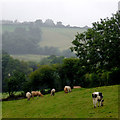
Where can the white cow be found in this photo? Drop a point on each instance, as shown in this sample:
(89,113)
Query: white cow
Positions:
(28,95)
(52,92)
(97,97)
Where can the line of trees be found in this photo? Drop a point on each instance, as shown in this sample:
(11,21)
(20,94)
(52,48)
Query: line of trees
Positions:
(40,23)
(69,72)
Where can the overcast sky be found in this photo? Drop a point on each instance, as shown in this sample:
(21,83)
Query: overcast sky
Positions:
(73,12)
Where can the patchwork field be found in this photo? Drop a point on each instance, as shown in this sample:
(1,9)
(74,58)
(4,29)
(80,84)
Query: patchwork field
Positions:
(77,104)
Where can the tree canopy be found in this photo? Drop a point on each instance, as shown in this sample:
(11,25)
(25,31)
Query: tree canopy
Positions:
(99,46)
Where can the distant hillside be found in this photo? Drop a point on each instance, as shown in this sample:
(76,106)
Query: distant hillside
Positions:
(42,40)
(58,37)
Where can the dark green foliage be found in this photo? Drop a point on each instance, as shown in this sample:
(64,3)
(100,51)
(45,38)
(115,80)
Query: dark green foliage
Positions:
(100,46)
(103,78)
(91,80)
(27,86)
(43,77)
(114,77)
(99,52)
(70,70)
(10,65)
(15,82)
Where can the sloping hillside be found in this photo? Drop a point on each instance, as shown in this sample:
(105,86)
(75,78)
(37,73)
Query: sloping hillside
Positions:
(77,104)
(58,37)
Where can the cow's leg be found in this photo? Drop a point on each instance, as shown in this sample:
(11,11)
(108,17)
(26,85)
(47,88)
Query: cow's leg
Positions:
(38,96)
(101,103)
(95,102)
(29,98)
(32,96)
(68,90)
(98,103)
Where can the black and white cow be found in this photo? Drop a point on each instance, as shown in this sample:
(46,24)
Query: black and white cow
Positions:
(97,97)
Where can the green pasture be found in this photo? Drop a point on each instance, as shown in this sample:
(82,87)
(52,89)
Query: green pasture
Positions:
(58,37)
(77,104)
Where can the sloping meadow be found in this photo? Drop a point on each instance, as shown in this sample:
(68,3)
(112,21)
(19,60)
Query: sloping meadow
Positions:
(77,104)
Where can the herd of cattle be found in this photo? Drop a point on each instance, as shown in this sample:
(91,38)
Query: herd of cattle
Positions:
(97,96)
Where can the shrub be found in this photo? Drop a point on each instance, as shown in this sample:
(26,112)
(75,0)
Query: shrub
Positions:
(105,76)
(114,77)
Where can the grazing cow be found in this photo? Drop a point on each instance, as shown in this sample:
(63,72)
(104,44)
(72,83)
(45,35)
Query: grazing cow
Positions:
(28,95)
(52,92)
(97,97)
(76,86)
(36,93)
(67,89)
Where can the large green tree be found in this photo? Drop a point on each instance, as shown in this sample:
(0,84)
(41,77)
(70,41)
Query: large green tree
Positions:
(99,47)
(43,77)
(70,70)
(15,82)
(9,65)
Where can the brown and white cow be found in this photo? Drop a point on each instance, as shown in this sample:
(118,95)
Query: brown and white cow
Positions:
(67,89)
(36,93)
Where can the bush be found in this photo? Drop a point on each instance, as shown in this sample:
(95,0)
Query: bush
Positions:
(105,76)
(92,80)
(114,77)
(102,78)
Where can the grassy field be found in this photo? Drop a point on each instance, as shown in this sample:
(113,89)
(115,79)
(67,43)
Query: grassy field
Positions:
(58,37)
(77,104)
(29,57)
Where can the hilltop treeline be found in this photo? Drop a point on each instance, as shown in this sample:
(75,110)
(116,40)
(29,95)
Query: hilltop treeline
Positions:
(40,23)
